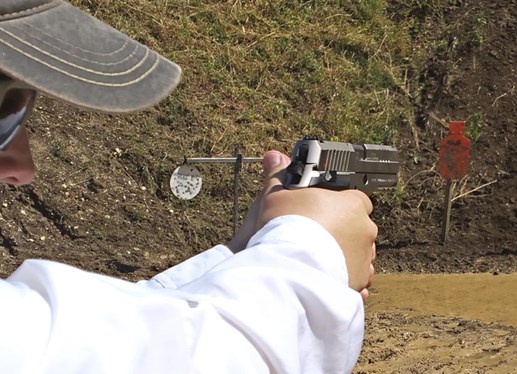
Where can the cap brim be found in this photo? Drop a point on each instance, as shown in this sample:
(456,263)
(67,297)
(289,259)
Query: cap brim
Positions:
(64,52)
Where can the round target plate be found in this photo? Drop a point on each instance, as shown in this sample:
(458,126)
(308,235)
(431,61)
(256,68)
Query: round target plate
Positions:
(185,182)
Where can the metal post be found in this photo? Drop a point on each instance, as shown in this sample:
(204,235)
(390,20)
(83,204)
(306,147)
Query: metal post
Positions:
(236,171)
(227,160)
(238,160)
(447,210)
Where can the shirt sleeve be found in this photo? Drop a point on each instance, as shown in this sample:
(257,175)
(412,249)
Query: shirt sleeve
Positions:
(288,295)
(190,269)
(58,319)
(282,305)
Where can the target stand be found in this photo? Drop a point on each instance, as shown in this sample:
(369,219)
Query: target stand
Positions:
(186,180)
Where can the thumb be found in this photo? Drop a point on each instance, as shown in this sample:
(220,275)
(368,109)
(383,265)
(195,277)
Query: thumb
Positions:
(274,164)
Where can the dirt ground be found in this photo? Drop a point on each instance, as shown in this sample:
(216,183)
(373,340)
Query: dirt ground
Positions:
(458,84)
(100,203)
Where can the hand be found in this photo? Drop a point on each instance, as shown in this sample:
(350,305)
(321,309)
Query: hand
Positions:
(345,214)
(272,163)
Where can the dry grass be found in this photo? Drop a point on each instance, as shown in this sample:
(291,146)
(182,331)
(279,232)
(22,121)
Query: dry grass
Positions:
(259,75)
(264,73)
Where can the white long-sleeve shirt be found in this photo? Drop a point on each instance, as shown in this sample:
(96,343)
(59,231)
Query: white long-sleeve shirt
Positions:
(280,306)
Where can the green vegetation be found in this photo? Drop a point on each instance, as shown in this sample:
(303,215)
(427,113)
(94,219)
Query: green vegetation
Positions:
(475,126)
(276,70)
(57,149)
(262,74)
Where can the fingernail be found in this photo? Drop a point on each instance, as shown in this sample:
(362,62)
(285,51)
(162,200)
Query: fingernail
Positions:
(272,159)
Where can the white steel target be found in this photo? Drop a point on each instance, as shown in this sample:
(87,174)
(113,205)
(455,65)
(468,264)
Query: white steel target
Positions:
(186,182)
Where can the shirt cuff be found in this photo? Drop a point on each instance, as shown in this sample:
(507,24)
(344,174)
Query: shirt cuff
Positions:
(308,241)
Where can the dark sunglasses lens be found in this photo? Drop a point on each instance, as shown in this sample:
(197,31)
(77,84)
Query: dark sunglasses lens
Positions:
(15,107)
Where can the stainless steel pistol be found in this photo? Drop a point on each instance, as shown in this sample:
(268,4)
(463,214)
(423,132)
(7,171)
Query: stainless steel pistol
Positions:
(341,166)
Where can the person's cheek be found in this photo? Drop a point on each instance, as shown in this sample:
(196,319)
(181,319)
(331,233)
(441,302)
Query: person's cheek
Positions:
(16,163)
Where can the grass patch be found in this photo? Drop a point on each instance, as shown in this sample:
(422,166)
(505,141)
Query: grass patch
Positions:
(265,73)
(262,74)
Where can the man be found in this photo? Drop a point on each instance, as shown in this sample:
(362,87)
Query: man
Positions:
(283,296)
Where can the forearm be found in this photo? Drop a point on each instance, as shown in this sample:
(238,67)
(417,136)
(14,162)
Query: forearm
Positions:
(287,293)
(56,318)
(281,305)
(190,269)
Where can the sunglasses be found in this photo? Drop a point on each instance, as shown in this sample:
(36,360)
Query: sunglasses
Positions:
(16,102)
